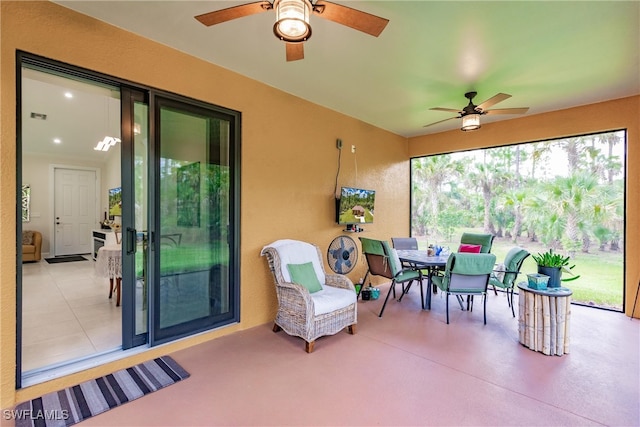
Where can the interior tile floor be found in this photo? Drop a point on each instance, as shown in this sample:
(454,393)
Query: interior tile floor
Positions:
(66,313)
(407,368)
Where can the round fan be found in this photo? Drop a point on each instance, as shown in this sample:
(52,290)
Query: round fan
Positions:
(342,255)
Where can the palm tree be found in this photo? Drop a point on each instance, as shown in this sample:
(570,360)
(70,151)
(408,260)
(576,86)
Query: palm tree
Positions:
(429,175)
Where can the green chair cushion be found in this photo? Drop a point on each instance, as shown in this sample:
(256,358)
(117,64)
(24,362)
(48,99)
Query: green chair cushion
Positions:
(371,246)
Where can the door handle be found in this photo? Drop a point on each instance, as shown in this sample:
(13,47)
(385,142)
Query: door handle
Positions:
(131,245)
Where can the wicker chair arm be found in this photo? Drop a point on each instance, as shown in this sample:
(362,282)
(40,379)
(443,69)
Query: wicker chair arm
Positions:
(294,295)
(339,281)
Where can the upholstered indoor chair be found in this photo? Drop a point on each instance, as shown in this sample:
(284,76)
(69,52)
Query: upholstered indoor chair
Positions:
(311,303)
(504,276)
(466,275)
(31,245)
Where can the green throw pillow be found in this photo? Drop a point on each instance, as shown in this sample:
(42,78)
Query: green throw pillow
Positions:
(305,275)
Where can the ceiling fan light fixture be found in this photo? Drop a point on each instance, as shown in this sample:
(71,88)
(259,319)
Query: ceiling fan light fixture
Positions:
(292,20)
(470,122)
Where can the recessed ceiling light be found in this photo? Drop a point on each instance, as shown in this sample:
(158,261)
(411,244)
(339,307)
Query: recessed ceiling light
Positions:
(57,140)
(68,95)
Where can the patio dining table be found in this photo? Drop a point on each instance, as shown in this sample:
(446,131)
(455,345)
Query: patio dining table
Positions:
(420,260)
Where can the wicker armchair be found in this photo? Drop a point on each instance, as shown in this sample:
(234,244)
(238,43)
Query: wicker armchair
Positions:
(309,315)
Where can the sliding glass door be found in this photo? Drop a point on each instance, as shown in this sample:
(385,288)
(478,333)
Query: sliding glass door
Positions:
(174,164)
(193,247)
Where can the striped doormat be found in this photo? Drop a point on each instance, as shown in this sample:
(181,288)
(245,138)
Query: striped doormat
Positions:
(74,404)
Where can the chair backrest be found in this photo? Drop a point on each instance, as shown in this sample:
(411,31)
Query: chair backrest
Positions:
(512,263)
(468,273)
(377,253)
(284,252)
(405,243)
(486,240)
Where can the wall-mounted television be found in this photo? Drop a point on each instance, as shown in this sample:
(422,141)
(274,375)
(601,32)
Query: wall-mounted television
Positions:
(355,206)
(115,202)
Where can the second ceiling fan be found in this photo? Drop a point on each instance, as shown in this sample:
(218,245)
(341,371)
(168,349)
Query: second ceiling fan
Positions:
(292,20)
(470,114)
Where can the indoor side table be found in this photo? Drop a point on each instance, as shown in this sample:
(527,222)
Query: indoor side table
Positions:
(544,319)
(109,264)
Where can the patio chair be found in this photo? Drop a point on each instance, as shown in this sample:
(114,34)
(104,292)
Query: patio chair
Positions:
(505,275)
(383,261)
(466,274)
(311,303)
(408,243)
(411,243)
(484,240)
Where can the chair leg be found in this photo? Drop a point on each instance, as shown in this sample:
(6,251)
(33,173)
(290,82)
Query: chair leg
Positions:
(392,287)
(276,328)
(118,290)
(404,290)
(495,291)
(447,305)
(485,308)
(421,294)
(510,299)
(110,287)
(351,329)
(308,346)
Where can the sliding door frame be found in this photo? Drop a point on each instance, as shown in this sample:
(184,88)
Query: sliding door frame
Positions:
(130,93)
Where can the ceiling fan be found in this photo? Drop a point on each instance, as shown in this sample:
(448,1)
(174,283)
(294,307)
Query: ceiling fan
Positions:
(292,20)
(470,114)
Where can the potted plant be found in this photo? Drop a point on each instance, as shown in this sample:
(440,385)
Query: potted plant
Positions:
(552,265)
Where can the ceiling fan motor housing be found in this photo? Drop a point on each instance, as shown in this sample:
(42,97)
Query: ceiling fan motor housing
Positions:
(292,20)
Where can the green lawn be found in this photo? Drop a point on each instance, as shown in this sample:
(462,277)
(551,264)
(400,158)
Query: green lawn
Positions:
(601,273)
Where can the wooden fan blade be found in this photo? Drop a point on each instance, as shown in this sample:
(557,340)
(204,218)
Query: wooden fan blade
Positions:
(224,15)
(449,110)
(295,51)
(493,101)
(352,18)
(435,123)
(507,111)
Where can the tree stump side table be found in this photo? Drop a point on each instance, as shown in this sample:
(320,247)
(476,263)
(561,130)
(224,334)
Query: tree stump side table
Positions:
(544,319)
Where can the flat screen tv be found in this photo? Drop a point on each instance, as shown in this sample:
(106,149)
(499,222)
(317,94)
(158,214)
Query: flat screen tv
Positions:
(355,206)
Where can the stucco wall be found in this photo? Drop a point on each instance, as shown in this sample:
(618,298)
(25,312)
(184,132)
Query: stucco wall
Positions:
(288,167)
(612,115)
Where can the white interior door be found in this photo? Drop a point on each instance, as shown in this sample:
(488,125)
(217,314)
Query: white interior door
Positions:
(74,210)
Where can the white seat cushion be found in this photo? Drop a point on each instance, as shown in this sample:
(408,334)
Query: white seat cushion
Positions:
(331,298)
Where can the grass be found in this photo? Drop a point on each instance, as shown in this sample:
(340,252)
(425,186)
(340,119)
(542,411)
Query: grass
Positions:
(601,281)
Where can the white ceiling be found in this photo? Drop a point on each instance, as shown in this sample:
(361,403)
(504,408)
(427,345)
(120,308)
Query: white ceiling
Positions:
(548,55)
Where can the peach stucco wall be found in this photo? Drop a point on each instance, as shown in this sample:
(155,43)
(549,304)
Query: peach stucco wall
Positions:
(611,115)
(288,167)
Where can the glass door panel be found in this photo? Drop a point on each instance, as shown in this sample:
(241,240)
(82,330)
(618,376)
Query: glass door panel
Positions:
(135,197)
(193,220)
(140,188)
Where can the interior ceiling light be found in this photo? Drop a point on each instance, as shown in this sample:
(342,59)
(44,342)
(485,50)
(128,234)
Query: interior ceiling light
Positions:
(470,122)
(57,141)
(106,143)
(68,95)
(470,114)
(292,20)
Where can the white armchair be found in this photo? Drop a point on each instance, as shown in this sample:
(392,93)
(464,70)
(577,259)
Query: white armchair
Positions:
(311,303)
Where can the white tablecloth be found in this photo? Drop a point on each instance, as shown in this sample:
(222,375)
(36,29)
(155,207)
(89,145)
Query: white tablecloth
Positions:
(109,261)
